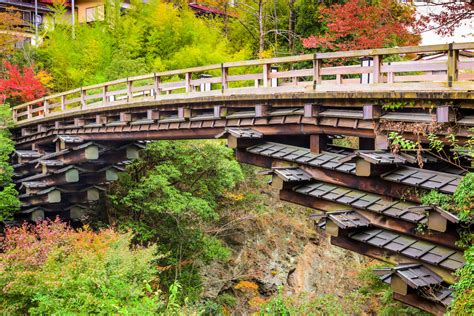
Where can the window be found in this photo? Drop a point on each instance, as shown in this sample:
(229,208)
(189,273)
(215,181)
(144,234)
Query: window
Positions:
(95,13)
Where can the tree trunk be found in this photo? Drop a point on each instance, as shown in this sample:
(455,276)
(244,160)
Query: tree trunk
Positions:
(291,27)
(261,37)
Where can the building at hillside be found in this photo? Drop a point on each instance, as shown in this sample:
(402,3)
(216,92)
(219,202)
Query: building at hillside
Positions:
(30,16)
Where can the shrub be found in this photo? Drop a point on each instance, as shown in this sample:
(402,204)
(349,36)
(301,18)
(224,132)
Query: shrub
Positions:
(50,268)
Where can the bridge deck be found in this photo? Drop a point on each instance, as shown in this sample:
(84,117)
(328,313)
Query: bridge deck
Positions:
(304,77)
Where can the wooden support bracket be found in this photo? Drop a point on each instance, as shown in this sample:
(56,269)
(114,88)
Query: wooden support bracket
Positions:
(262,110)
(372,111)
(311,110)
(445,114)
(318,143)
(220,111)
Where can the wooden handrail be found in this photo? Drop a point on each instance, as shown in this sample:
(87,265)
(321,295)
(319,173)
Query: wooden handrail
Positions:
(381,73)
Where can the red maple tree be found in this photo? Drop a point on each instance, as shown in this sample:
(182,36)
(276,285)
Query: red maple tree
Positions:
(20,86)
(360,24)
(449,15)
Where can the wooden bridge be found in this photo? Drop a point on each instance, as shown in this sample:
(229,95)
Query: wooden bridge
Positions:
(284,114)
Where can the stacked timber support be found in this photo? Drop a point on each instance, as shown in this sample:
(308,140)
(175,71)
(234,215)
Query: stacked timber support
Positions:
(289,115)
(368,207)
(66,178)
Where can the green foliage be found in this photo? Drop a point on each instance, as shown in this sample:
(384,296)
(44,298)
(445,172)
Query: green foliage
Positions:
(461,203)
(393,105)
(399,141)
(464,198)
(147,37)
(9,202)
(437,198)
(170,196)
(463,303)
(49,268)
(373,295)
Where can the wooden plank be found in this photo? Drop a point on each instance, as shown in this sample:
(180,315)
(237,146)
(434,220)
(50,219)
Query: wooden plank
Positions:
(426,77)
(346,70)
(421,303)
(413,66)
(279,60)
(200,81)
(385,51)
(453,71)
(385,255)
(244,77)
(291,73)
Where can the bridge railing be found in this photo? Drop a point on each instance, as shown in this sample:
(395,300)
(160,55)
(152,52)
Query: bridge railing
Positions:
(384,69)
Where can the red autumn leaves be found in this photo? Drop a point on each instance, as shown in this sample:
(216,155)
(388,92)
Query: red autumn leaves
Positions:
(358,24)
(19,86)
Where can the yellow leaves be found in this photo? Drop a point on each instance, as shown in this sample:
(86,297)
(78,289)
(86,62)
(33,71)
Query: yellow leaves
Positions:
(234,196)
(256,302)
(266,54)
(45,78)
(246,286)
(165,14)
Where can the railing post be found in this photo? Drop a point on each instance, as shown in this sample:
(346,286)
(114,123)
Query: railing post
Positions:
(129,90)
(30,108)
(224,75)
(104,95)
(157,86)
(377,60)
(187,79)
(266,75)
(316,71)
(83,98)
(453,59)
(63,103)
(45,107)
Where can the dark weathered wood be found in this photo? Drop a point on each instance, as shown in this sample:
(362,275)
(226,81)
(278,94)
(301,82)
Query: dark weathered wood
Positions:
(447,239)
(366,143)
(373,185)
(386,256)
(372,111)
(262,110)
(421,303)
(318,143)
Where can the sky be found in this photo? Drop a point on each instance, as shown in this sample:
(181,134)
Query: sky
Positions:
(464,33)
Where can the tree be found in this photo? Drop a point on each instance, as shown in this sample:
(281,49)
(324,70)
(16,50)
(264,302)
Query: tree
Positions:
(360,24)
(10,22)
(446,16)
(49,268)
(9,202)
(17,87)
(134,43)
(169,197)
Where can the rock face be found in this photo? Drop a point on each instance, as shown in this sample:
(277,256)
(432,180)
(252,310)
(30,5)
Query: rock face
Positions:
(279,249)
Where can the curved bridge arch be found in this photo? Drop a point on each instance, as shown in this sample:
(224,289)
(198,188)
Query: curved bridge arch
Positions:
(282,114)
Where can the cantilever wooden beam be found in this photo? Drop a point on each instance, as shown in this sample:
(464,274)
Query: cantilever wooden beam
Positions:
(447,238)
(386,256)
(419,302)
(369,184)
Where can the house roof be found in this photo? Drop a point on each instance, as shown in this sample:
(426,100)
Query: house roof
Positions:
(201,9)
